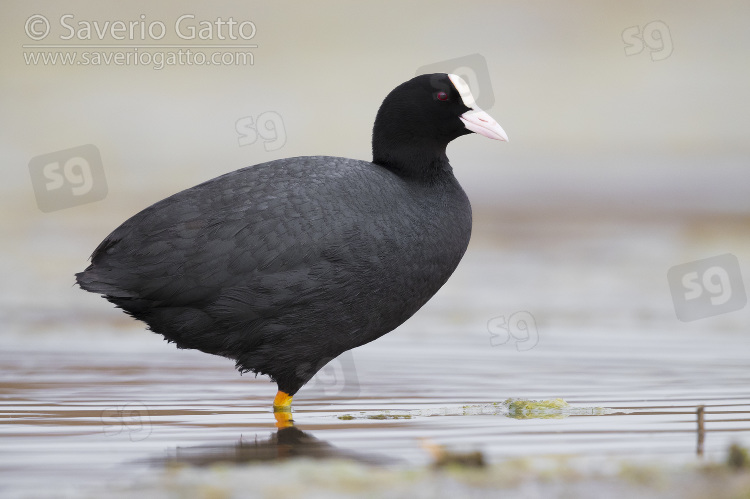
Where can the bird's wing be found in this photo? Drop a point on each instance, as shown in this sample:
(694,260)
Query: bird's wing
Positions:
(249,236)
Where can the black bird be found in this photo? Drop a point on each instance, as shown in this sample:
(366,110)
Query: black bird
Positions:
(284,265)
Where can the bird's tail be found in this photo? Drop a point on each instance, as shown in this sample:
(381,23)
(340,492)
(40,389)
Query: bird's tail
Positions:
(92,280)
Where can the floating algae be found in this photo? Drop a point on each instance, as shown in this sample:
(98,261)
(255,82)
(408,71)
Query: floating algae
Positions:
(390,416)
(512,408)
(537,409)
(382,415)
(533,409)
(524,409)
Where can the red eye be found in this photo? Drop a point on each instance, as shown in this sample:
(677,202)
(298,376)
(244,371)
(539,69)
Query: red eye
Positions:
(442,96)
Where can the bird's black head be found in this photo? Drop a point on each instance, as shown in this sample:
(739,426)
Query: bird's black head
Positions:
(420,117)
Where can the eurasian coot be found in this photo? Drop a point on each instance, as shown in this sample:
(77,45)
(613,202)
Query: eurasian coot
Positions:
(285,265)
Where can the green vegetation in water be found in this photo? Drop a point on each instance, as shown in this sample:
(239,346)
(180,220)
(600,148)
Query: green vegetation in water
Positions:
(385,415)
(512,408)
(536,409)
(738,458)
(390,416)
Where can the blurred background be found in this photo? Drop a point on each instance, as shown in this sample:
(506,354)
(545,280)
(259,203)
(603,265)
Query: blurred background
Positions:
(608,263)
(628,150)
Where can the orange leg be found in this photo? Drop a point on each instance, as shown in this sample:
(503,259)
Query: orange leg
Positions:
(282,409)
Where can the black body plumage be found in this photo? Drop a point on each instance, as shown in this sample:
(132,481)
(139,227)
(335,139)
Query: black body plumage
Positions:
(284,265)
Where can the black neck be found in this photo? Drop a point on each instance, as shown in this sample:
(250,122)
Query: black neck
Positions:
(411,159)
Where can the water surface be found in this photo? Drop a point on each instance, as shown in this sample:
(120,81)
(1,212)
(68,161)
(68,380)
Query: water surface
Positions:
(95,401)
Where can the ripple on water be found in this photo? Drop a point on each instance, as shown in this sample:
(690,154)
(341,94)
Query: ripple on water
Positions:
(80,417)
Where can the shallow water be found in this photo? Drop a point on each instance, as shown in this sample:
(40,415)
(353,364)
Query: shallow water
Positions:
(80,419)
(96,402)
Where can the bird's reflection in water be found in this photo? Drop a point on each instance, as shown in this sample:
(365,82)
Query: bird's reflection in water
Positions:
(286,443)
